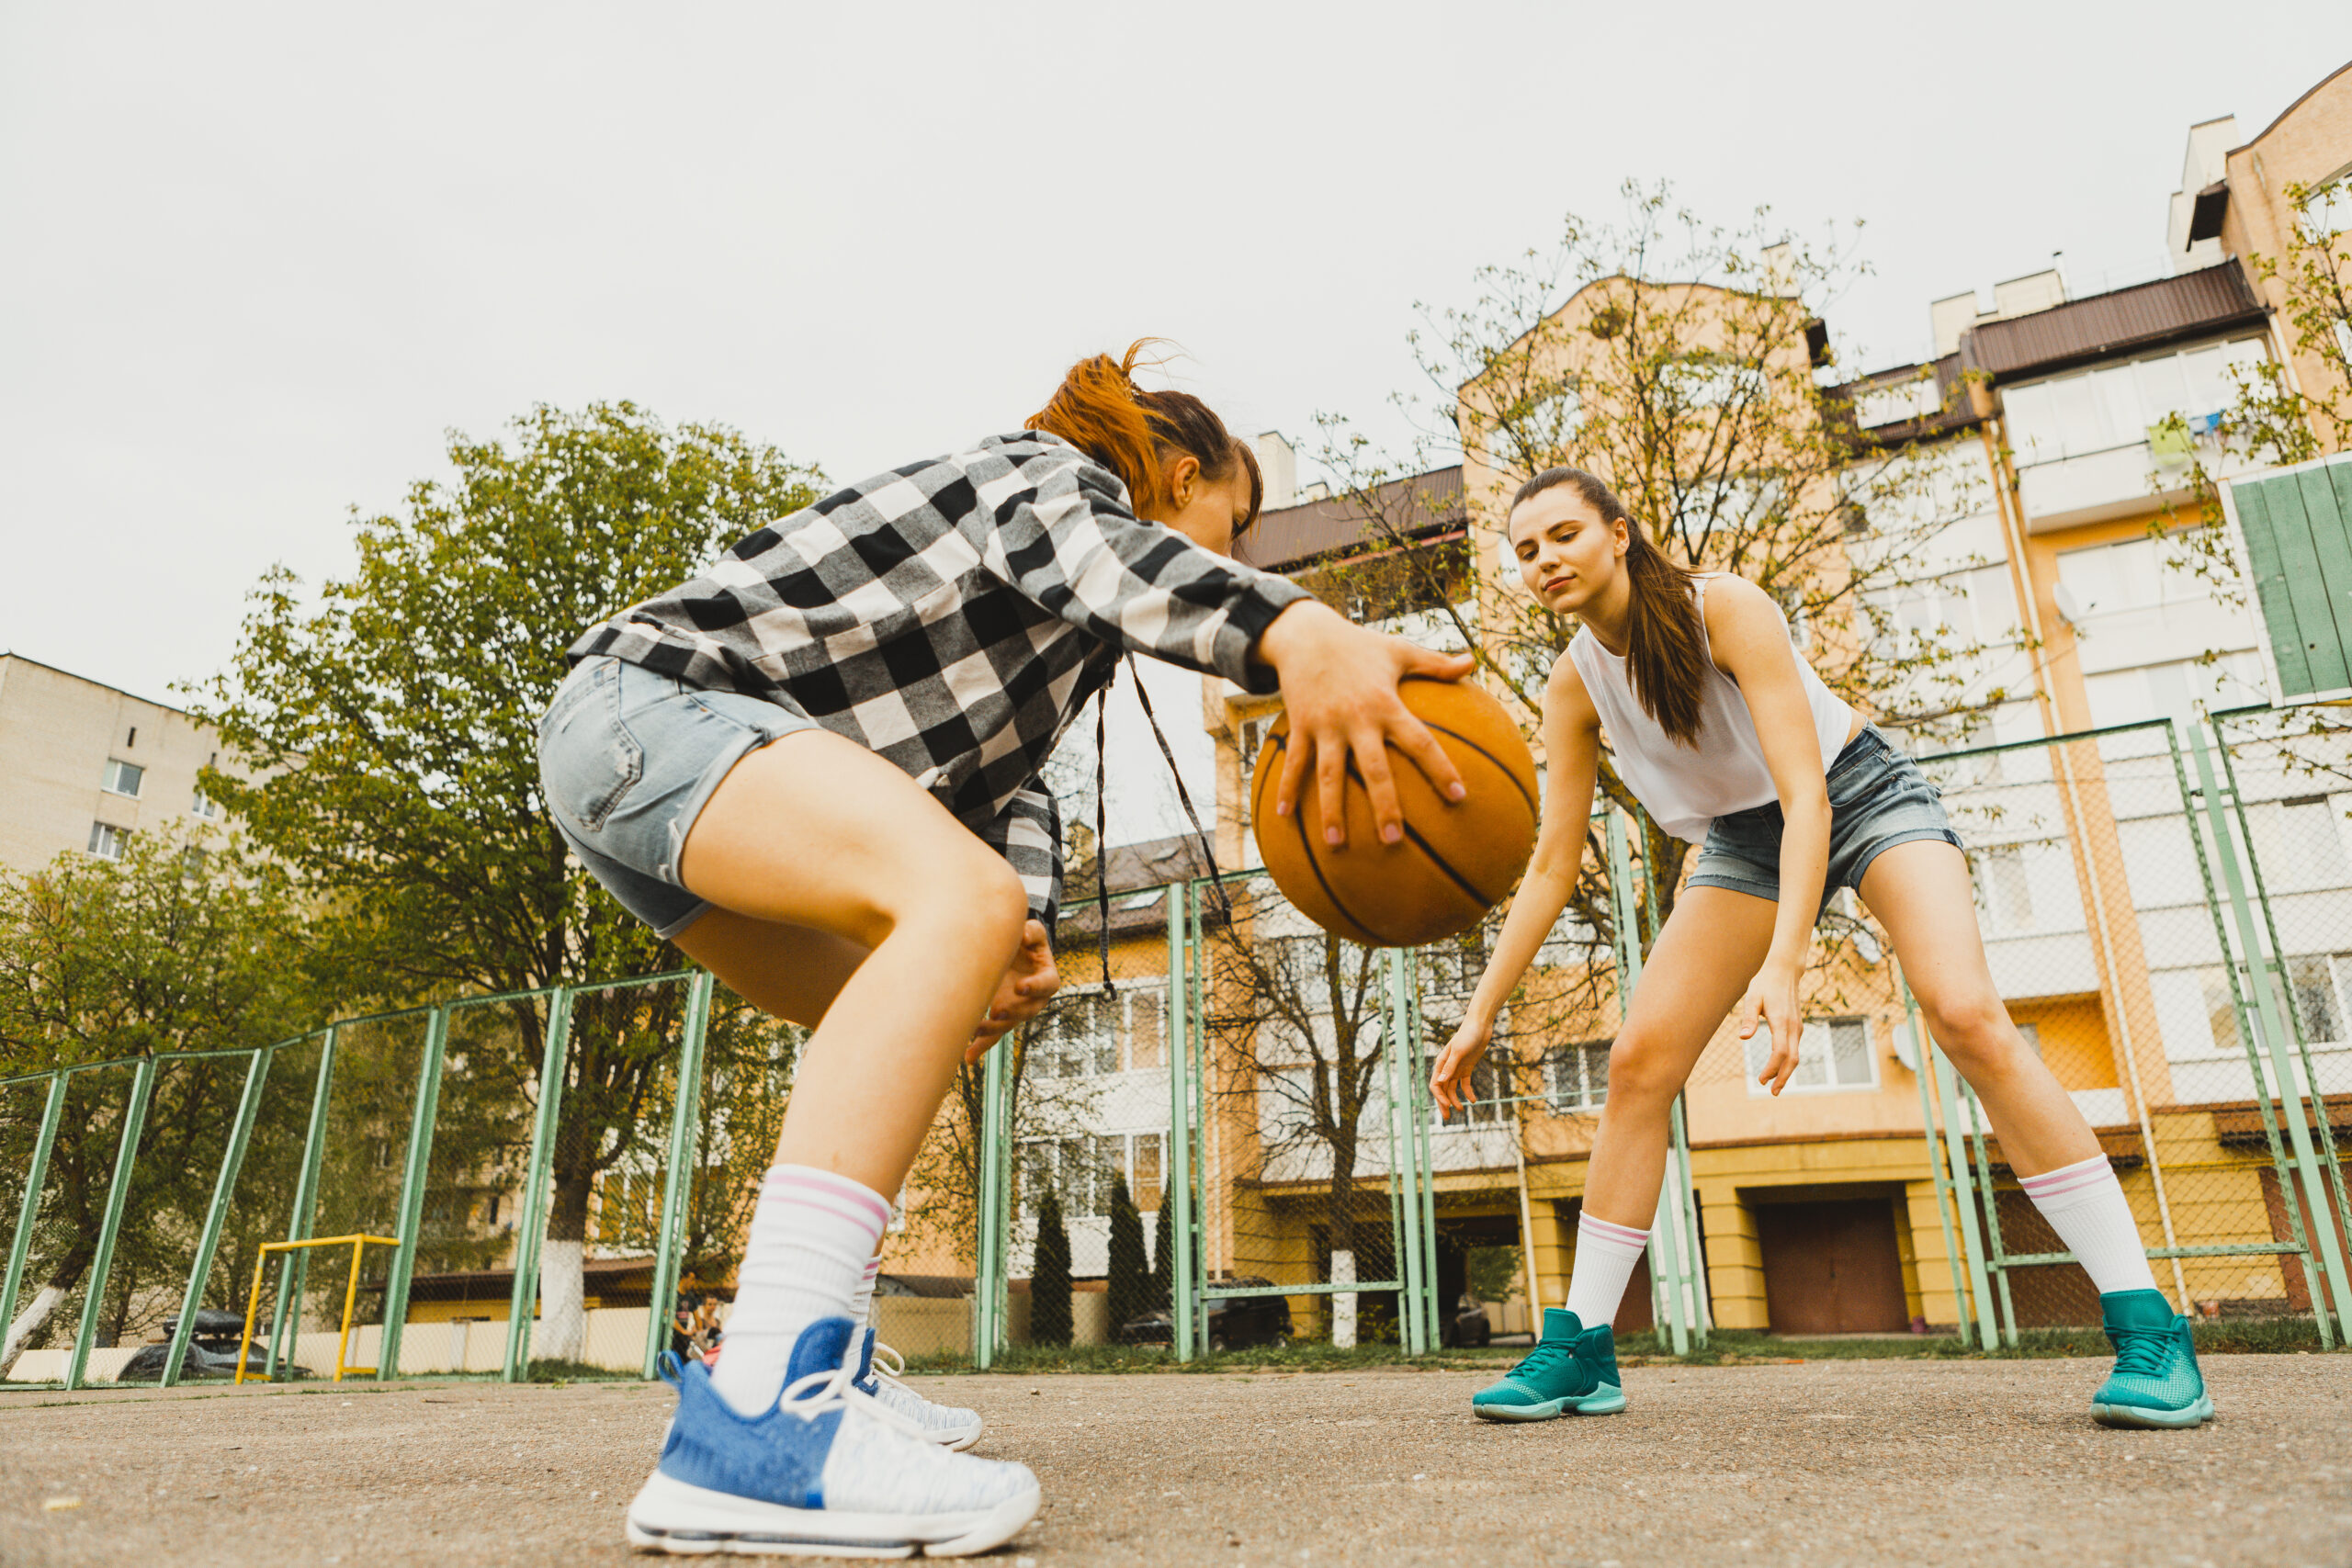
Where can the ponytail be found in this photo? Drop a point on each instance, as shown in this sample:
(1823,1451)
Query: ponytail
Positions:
(1137,434)
(1665,642)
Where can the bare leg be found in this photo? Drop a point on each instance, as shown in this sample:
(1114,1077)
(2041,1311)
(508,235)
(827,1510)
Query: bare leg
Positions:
(1920,892)
(817,832)
(1702,962)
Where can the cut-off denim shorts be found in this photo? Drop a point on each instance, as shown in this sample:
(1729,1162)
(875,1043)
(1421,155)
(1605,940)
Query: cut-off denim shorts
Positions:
(627,759)
(1878,798)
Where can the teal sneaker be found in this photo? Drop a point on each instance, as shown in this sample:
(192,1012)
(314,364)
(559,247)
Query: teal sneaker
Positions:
(1571,1371)
(2155,1381)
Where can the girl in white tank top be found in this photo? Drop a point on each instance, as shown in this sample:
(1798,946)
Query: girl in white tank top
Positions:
(1730,740)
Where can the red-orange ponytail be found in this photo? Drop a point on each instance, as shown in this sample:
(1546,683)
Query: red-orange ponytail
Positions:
(1100,409)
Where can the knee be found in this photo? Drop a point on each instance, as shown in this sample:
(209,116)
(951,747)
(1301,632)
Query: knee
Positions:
(970,897)
(1974,1028)
(1640,1076)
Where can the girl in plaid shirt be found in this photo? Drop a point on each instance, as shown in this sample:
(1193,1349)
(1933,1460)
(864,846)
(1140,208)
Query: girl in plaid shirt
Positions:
(888,873)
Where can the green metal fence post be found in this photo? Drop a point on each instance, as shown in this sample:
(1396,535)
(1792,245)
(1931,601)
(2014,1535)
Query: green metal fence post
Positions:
(1920,1045)
(990,1286)
(1405,1147)
(413,1178)
(2274,1039)
(126,1159)
(531,1225)
(1666,1272)
(2249,1029)
(678,1184)
(1183,1302)
(1964,1190)
(292,1271)
(1997,1251)
(29,1211)
(216,1214)
(1196,1067)
(1434,1313)
(2330,1161)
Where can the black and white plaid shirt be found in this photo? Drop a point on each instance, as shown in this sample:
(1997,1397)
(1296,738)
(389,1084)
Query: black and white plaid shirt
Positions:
(952,615)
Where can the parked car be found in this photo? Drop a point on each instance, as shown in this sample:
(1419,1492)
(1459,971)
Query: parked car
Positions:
(1469,1325)
(211,1352)
(1234,1323)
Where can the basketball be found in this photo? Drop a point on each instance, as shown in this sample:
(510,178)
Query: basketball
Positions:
(1453,864)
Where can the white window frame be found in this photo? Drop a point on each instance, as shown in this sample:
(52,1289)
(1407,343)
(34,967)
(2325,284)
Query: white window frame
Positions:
(1559,1059)
(110,779)
(108,842)
(1816,1043)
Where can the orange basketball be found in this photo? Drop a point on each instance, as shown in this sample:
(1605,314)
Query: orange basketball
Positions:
(1453,864)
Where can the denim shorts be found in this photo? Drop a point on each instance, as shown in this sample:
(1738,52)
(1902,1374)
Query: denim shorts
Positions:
(1878,798)
(627,759)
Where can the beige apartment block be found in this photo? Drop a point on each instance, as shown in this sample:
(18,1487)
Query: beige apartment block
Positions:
(82,765)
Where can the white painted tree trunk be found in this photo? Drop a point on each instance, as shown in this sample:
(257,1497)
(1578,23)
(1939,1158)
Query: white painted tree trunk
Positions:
(1344,1303)
(28,1323)
(562,1333)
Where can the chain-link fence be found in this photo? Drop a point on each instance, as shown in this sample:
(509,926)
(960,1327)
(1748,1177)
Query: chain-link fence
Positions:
(1229,1112)
(588,1229)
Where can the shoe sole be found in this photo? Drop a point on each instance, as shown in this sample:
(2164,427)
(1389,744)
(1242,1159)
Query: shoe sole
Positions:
(1608,1403)
(672,1516)
(2196,1414)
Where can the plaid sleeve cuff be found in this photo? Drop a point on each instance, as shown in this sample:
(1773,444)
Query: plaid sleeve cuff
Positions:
(1028,834)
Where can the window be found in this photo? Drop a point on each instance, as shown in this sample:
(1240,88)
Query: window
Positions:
(1833,1057)
(122,778)
(2114,405)
(2004,893)
(1080,1037)
(2159,691)
(1577,1076)
(106,841)
(205,806)
(1079,1170)
(2313,986)
(2297,844)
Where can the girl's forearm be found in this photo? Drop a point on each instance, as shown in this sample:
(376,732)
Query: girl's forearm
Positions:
(1542,895)
(1804,866)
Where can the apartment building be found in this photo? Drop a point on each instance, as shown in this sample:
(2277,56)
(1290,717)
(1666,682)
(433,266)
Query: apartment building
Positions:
(2073,424)
(83,765)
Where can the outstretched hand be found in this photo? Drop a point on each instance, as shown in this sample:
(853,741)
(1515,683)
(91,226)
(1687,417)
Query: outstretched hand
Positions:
(1450,1080)
(1028,984)
(1771,1001)
(1338,684)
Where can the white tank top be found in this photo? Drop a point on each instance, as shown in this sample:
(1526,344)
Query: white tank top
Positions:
(1685,788)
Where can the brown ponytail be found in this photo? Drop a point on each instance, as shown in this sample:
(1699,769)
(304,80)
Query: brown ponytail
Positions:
(1100,409)
(1666,642)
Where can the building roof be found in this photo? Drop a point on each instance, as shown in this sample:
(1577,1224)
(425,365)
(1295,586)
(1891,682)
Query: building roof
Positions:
(1292,536)
(1954,413)
(1151,864)
(2082,332)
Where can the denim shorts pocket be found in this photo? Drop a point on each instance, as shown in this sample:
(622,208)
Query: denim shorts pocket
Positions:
(588,759)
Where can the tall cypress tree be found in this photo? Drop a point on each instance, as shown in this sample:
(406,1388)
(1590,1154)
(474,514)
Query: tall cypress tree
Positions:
(1129,1281)
(1049,1309)
(1163,1255)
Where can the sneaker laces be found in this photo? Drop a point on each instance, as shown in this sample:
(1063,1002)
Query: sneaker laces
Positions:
(2143,1352)
(1545,1358)
(813,1395)
(893,1373)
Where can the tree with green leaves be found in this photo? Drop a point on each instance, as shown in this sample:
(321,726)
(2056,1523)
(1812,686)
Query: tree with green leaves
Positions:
(1686,364)
(184,945)
(1050,1287)
(1127,1281)
(388,719)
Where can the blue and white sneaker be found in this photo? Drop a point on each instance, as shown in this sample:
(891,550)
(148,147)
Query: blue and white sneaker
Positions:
(829,1471)
(2155,1381)
(878,1370)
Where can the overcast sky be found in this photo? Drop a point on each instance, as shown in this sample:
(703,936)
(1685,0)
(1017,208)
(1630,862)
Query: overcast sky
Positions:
(256,259)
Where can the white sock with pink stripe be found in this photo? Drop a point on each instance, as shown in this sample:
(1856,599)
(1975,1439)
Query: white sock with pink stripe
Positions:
(2085,1205)
(1606,1254)
(861,1301)
(813,1233)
